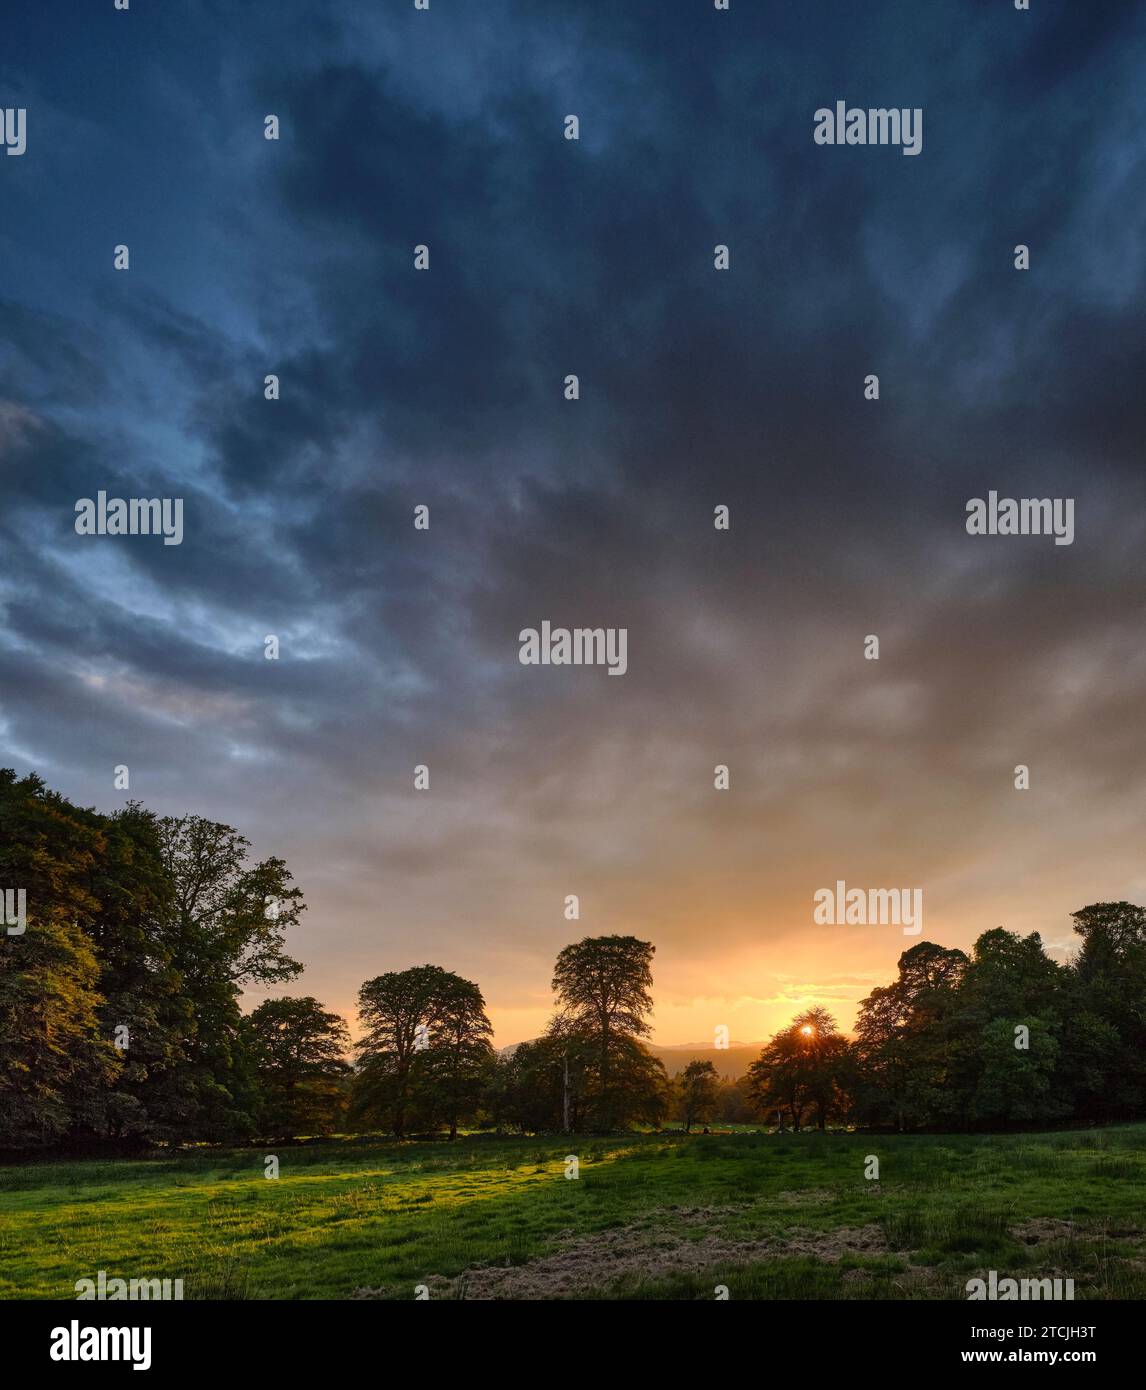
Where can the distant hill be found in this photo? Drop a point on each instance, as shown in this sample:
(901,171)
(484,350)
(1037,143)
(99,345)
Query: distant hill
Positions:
(730,1063)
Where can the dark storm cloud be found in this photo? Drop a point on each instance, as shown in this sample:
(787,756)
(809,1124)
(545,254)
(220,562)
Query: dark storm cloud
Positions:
(550,257)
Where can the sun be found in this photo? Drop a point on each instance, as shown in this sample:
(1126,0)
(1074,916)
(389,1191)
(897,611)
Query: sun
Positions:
(807,1030)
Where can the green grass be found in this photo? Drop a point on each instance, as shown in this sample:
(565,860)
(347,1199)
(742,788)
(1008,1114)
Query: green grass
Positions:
(649,1217)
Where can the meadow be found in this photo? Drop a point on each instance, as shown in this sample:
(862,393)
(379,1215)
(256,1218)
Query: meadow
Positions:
(649,1216)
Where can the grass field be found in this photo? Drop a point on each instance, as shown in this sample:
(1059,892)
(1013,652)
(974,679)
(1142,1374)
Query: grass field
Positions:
(650,1216)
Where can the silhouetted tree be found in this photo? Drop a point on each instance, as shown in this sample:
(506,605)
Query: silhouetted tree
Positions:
(804,1069)
(603,986)
(425,1050)
(299,1054)
(697,1088)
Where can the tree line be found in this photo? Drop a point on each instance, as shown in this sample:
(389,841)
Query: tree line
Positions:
(121,1022)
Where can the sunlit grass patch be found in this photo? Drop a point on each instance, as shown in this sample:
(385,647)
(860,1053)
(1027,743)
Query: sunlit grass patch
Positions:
(380,1215)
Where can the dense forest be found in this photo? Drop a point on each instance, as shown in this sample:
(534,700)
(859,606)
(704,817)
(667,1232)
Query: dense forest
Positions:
(128,940)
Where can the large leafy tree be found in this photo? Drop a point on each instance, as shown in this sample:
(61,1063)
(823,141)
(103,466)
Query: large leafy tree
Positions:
(425,1047)
(526,1090)
(54,1060)
(299,1052)
(804,1071)
(906,1041)
(225,927)
(1104,1048)
(1016,1084)
(638,1086)
(697,1088)
(144,1002)
(546,1085)
(459,1059)
(54,1063)
(119,1011)
(552,1083)
(1009,1023)
(604,992)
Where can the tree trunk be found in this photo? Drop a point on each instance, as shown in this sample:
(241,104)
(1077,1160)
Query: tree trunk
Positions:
(605,1075)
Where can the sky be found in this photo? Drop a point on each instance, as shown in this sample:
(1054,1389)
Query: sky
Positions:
(699,388)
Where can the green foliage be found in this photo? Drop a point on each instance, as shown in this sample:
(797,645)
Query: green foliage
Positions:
(298,1052)
(119,1005)
(120,1019)
(425,1057)
(696,1093)
(604,995)
(1008,1037)
(804,1071)
(54,1061)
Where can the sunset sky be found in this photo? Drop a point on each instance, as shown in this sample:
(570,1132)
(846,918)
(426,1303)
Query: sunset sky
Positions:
(698,388)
